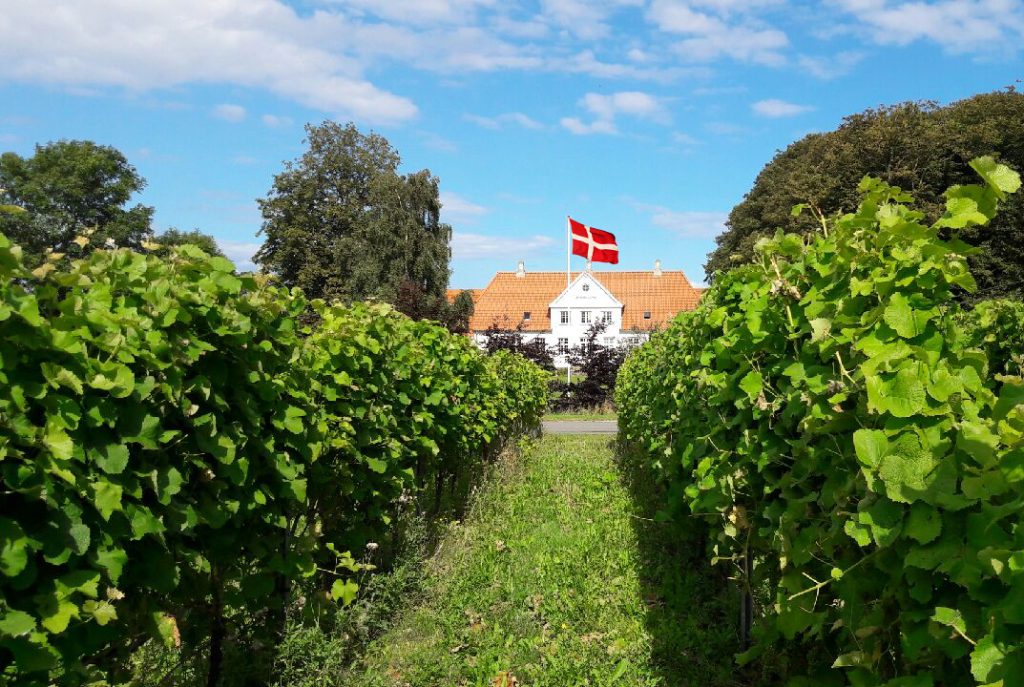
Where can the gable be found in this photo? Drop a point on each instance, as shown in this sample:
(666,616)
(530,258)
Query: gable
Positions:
(586,290)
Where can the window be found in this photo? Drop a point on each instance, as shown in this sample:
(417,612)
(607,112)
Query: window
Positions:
(606,316)
(563,346)
(647,314)
(609,341)
(585,317)
(585,345)
(586,287)
(564,318)
(526,316)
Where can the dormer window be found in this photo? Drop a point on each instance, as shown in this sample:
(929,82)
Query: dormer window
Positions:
(526,316)
(647,314)
(586,287)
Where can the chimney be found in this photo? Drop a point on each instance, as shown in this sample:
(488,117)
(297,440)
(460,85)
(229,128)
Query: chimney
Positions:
(521,270)
(657,268)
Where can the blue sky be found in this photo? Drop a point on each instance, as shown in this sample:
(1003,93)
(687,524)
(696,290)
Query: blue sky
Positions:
(647,118)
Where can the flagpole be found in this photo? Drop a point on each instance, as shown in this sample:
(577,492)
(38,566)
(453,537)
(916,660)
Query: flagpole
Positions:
(568,250)
(568,282)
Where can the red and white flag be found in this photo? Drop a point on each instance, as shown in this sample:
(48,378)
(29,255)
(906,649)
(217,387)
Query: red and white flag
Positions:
(593,244)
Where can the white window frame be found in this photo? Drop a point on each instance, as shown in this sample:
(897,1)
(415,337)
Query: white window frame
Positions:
(564,317)
(563,345)
(584,317)
(606,316)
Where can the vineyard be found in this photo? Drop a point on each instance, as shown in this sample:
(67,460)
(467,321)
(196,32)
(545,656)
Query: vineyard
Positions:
(854,443)
(186,459)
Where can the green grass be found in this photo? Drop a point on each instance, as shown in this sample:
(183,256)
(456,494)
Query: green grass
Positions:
(559,577)
(583,415)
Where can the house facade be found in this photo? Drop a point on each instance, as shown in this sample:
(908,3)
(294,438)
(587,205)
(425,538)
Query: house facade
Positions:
(545,310)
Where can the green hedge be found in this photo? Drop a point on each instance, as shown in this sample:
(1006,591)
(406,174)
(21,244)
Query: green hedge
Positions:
(861,469)
(174,448)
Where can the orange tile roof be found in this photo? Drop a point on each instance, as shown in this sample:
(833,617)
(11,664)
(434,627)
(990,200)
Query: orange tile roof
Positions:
(450,294)
(507,297)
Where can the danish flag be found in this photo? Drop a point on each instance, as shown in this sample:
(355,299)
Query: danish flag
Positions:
(593,244)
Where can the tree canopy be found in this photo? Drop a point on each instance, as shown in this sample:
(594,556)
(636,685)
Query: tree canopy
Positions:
(919,146)
(65,188)
(177,237)
(342,223)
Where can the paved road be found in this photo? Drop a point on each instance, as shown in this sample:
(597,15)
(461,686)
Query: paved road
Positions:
(581,426)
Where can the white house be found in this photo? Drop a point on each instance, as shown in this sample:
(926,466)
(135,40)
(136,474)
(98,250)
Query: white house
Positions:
(543,307)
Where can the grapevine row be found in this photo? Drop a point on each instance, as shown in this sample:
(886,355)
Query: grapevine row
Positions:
(859,459)
(177,450)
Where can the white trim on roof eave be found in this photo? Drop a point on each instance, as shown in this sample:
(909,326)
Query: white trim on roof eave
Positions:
(581,275)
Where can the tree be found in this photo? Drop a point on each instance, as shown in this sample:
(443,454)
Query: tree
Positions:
(457,313)
(921,147)
(342,223)
(176,237)
(65,188)
(499,338)
(596,367)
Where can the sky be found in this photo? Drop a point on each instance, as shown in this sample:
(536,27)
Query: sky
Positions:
(646,118)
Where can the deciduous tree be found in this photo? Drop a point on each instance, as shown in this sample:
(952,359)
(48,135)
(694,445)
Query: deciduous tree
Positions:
(922,148)
(342,222)
(67,187)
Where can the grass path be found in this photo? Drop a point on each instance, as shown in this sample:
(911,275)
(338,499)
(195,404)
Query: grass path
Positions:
(557,578)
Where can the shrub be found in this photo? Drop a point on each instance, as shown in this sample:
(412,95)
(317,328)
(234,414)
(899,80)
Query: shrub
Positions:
(855,456)
(997,327)
(175,453)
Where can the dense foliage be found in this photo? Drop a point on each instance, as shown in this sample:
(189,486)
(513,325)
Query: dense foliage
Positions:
(176,237)
(998,328)
(595,367)
(176,452)
(342,223)
(859,463)
(920,147)
(65,188)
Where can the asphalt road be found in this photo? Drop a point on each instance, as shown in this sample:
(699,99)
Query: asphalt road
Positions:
(581,426)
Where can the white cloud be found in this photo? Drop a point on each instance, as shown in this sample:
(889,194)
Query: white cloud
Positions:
(831,67)
(634,103)
(420,11)
(775,108)
(599,126)
(693,224)
(140,46)
(586,62)
(240,253)
(456,208)
(245,160)
(605,109)
(276,121)
(468,246)
(229,113)
(503,120)
(959,26)
(710,36)
(684,139)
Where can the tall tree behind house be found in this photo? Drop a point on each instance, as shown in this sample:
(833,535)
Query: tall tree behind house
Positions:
(342,223)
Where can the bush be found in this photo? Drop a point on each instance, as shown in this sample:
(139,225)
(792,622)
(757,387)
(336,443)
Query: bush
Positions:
(997,327)
(175,453)
(857,459)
